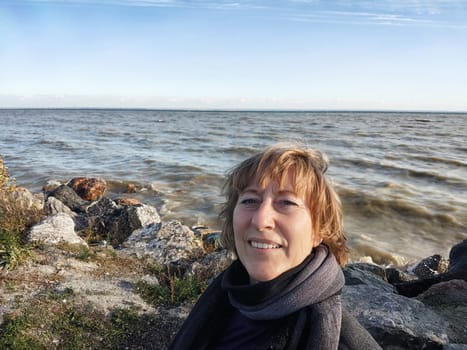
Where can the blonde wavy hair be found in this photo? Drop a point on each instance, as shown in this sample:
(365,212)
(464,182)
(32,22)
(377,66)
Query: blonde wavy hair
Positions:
(307,167)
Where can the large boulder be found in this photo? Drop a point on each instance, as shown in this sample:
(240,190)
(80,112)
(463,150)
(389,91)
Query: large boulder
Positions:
(54,206)
(458,261)
(118,224)
(430,266)
(367,274)
(70,198)
(169,244)
(103,218)
(211,264)
(395,321)
(449,300)
(55,229)
(457,270)
(25,200)
(97,216)
(88,188)
(435,319)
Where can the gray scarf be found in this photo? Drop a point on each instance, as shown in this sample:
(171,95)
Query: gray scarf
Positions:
(309,293)
(320,279)
(312,291)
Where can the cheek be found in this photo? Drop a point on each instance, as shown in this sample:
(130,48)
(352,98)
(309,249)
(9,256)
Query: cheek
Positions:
(238,231)
(308,237)
(235,218)
(239,218)
(315,236)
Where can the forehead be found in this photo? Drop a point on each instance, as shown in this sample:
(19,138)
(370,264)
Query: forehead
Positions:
(272,188)
(287,183)
(280,180)
(296,179)
(260,187)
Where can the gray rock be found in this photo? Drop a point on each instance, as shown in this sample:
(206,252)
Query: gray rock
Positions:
(455,347)
(449,300)
(94,216)
(395,275)
(54,206)
(430,266)
(355,274)
(69,197)
(396,322)
(458,261)
(55,229)
(114,222)
(121,223)
(370,267)
(167,245)
(212,264)
(26,200)
(457,270)
(143,215)
(102,207)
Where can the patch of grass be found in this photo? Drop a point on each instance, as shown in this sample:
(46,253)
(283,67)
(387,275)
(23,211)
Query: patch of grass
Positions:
(125,321)
(12,251)
(77,251)
(172,290)
(60,320)
(60,295)
(155,268)
(11,334)
(84,254)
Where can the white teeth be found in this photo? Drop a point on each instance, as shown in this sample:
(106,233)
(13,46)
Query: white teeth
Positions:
(260,245)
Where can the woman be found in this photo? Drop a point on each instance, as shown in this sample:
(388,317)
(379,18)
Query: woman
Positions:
(284,222)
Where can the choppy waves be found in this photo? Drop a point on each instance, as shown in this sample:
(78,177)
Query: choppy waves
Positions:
(402,176)
(375,206)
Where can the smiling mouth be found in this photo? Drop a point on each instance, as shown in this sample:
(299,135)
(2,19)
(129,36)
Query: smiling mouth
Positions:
(260,245)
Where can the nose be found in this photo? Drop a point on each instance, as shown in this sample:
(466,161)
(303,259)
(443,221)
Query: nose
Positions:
(264,217)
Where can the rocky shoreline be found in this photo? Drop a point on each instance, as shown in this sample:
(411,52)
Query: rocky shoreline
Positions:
(423,307)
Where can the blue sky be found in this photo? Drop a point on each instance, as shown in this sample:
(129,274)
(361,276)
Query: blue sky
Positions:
(296,54)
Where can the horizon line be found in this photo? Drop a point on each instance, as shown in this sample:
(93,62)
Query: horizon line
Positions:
(274,110)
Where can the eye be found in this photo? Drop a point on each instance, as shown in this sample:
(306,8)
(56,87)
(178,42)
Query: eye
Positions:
(250,202)
(287,202)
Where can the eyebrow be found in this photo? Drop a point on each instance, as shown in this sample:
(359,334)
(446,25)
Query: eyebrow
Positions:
(249,190)
(256,191)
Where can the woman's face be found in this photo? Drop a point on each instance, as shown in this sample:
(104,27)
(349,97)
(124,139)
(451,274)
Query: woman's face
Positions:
(272,230)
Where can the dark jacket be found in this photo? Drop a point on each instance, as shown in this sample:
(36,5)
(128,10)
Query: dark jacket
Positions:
(208,318)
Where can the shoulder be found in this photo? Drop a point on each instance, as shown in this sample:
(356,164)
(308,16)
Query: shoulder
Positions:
(354,336)
(206,316)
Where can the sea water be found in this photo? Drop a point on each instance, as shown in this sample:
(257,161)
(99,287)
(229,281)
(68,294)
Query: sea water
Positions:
(402,177)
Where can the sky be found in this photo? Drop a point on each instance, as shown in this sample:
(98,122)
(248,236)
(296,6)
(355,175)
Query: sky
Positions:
(408,55)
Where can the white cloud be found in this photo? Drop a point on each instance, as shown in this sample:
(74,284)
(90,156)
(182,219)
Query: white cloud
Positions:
(369,18)
(431,8)
(98,2)
(167,3)
(447,13)
(420,7)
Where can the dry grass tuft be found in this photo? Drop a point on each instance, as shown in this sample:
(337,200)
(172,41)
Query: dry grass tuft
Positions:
(17,214)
